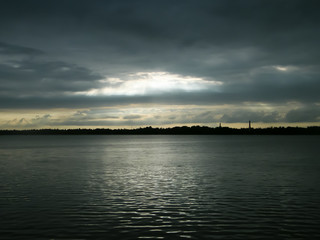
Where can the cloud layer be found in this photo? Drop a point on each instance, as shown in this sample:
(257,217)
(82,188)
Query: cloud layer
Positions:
(225,57)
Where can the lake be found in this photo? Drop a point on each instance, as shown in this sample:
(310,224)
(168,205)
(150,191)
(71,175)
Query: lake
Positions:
(159,187)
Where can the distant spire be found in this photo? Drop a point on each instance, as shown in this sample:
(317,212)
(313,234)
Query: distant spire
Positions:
(219,125)
(249,124)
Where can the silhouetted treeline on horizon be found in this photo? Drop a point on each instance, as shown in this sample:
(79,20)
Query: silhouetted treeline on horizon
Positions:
(194,130)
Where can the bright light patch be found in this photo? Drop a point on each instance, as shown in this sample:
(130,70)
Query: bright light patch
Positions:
(281,68)
(143,83)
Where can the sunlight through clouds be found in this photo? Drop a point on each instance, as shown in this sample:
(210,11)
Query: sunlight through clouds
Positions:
(287,68)
(144,83)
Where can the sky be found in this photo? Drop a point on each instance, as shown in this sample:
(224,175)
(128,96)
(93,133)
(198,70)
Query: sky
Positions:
(136,63)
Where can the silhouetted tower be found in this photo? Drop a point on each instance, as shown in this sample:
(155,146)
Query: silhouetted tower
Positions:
(219,125)
(249,124)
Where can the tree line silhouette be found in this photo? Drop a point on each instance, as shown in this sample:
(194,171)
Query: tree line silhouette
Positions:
(184,130)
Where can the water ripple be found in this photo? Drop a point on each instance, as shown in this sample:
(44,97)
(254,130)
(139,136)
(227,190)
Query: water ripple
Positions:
(124,189)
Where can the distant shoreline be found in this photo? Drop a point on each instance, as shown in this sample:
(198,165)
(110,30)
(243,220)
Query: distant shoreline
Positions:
(184,130)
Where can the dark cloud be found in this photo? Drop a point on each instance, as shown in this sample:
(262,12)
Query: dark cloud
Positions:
(304,114)
(37,78)
(178,98)
(10,49)
(33,75)
(256,116)
(134,116)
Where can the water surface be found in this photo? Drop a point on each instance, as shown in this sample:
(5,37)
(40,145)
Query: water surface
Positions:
(159,187)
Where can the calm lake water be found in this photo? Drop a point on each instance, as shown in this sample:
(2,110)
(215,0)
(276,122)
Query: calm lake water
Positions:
(159,187)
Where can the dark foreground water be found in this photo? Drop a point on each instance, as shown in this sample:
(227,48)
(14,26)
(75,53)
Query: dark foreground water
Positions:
(159,187)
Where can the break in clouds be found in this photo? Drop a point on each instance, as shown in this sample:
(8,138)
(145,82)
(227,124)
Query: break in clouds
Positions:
(134,63)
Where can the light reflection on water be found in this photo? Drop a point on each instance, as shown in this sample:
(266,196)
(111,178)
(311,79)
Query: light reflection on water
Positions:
(165,187)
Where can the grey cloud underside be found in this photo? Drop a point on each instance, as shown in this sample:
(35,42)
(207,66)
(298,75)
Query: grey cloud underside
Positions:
(306,114)
(38,78)
(49,49)
(10,49)
(178,98)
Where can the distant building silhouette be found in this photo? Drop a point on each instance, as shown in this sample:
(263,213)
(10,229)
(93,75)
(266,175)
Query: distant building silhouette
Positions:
(249,124)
